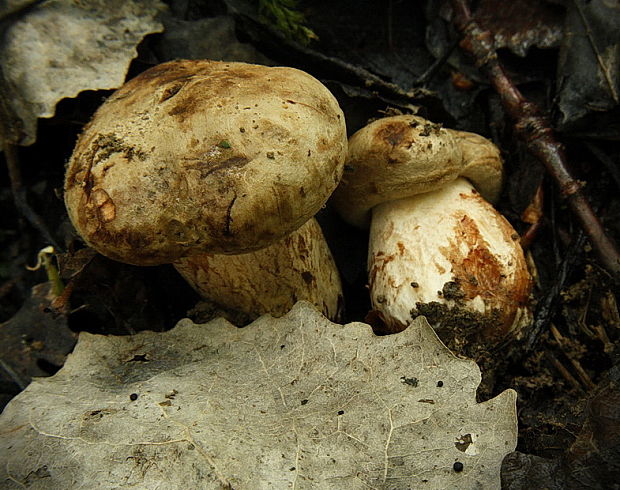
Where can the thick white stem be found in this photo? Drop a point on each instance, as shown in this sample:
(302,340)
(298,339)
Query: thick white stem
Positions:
(447,254)
(270,280)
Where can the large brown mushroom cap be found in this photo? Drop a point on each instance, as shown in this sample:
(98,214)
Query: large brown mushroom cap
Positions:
(204,156)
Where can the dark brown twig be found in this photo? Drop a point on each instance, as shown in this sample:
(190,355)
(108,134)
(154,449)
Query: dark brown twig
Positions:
(432,70)
(313,61)
(535,130)
(581,372)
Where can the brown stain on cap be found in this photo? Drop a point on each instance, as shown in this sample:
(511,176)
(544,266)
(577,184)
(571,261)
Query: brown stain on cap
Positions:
(397,133)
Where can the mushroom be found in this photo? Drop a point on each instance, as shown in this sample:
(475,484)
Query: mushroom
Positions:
(437,247)
(197,157)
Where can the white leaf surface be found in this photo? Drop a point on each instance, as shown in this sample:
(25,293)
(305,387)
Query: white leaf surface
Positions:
(62,47)
(295,402)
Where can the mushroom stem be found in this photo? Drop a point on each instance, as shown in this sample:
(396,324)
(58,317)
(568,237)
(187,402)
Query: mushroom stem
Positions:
(449,255)
(271,280)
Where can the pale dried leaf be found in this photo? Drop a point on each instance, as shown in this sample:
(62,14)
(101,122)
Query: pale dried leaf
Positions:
(62,47)
(296,402)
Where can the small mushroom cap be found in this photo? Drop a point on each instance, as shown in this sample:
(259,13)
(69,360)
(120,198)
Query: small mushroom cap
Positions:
(204,156)
(403,156)
(394,158)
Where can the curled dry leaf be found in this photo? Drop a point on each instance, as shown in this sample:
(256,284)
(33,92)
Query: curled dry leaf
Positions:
(60,48)
(522,24)
(293,402)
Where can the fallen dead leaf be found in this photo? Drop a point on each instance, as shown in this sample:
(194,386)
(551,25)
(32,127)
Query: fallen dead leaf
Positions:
(295,402)
(59,48)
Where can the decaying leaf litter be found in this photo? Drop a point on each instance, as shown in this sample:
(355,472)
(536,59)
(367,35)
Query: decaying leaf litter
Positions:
(576,321)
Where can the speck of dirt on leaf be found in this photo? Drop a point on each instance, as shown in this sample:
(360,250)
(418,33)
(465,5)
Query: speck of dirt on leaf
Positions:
(409,381)
(139,358)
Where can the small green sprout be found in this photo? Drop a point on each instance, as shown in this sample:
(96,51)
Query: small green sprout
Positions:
(45,260)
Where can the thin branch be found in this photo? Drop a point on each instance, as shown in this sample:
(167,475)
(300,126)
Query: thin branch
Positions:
(564,372)
(581,372)
(535,130)
(314,61)
(432,70)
